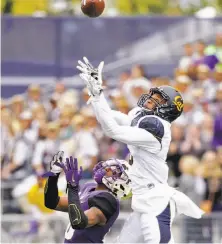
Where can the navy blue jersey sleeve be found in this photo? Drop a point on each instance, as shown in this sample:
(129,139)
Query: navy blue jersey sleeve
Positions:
(106,202)
(154,126)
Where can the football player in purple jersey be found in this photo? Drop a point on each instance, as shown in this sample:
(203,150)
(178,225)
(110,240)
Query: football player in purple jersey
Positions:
(92,208)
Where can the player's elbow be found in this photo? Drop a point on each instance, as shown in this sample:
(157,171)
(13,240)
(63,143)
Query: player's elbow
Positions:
(81,225)
(112,133)
(49,204)
(77,217)
(109,132)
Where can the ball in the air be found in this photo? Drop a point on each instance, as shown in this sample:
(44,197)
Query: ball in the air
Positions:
(92,8)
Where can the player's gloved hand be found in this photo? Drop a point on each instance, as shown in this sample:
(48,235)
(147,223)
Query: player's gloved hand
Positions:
(54,168)
(72,171)
(91,76)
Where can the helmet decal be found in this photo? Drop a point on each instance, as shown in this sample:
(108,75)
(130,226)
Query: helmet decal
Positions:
(178,102)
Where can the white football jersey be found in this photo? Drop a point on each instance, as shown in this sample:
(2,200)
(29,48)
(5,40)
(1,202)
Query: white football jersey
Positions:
(147,136)
(149,162)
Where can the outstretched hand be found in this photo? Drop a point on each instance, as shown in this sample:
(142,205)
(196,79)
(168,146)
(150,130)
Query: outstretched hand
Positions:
(72,171)
(91,76)
(54,168)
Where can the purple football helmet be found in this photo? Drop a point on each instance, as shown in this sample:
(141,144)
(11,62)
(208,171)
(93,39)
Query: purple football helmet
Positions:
(119,181)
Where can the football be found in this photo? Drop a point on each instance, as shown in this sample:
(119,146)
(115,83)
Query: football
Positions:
(92,8)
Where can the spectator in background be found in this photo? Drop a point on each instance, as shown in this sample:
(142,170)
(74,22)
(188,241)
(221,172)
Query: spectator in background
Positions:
(216,106)
(205,82)
(85,146)
(212,174)
(203,57)
(216,49)
(174,155)
(192,143)
(217,133)
(17,105)
(59,89)
(7,136)
(206,130)
(69,99)
(192,113)
(136,81)
(54,110)
(137,72)
(65,118)
(34,95)
(217,73)
(124,76)
(119,102)
(92,124)
(19,166)
(39,115)
(209,162)
(187,58)
(161,81)
(47,145)
(190,182)
(183,84)
(178,72)
(199,53)
(219,156)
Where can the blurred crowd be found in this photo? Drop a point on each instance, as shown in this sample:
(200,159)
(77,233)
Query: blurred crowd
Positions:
(35,125)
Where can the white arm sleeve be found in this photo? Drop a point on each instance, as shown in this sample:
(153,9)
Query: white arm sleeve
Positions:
(38,153)
(120,118)
(129,135)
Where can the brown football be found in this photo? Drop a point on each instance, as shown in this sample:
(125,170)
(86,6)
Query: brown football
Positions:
(92,8)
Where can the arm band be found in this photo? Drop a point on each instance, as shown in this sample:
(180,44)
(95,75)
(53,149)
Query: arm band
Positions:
(77,217)
(51,194)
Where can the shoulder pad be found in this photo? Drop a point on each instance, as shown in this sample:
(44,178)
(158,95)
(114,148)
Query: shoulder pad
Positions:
(106,202)
(152,125)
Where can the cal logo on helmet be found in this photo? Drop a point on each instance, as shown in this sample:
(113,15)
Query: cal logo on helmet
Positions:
(178,102)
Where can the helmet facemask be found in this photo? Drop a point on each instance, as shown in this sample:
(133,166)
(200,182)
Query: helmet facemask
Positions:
(158,104)
(118,182)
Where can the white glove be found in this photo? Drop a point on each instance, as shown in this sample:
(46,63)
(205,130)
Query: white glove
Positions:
(54,169)
(91,76)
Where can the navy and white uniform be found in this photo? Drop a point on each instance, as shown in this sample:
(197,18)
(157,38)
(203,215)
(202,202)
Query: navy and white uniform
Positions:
(103,200)
(148,139)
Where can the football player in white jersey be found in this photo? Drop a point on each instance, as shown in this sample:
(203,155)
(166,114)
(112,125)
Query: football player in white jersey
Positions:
(146,131)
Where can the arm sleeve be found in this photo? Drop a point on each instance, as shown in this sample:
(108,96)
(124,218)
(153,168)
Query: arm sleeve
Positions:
(106,202)
(127,134)
(77,217)
(120,118)
(51,194)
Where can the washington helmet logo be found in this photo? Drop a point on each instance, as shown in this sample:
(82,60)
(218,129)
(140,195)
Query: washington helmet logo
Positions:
(178,102)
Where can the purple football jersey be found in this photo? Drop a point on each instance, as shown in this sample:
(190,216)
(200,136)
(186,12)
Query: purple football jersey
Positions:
(94,234)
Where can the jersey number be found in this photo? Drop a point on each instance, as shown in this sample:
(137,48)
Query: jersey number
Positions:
(69,232)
